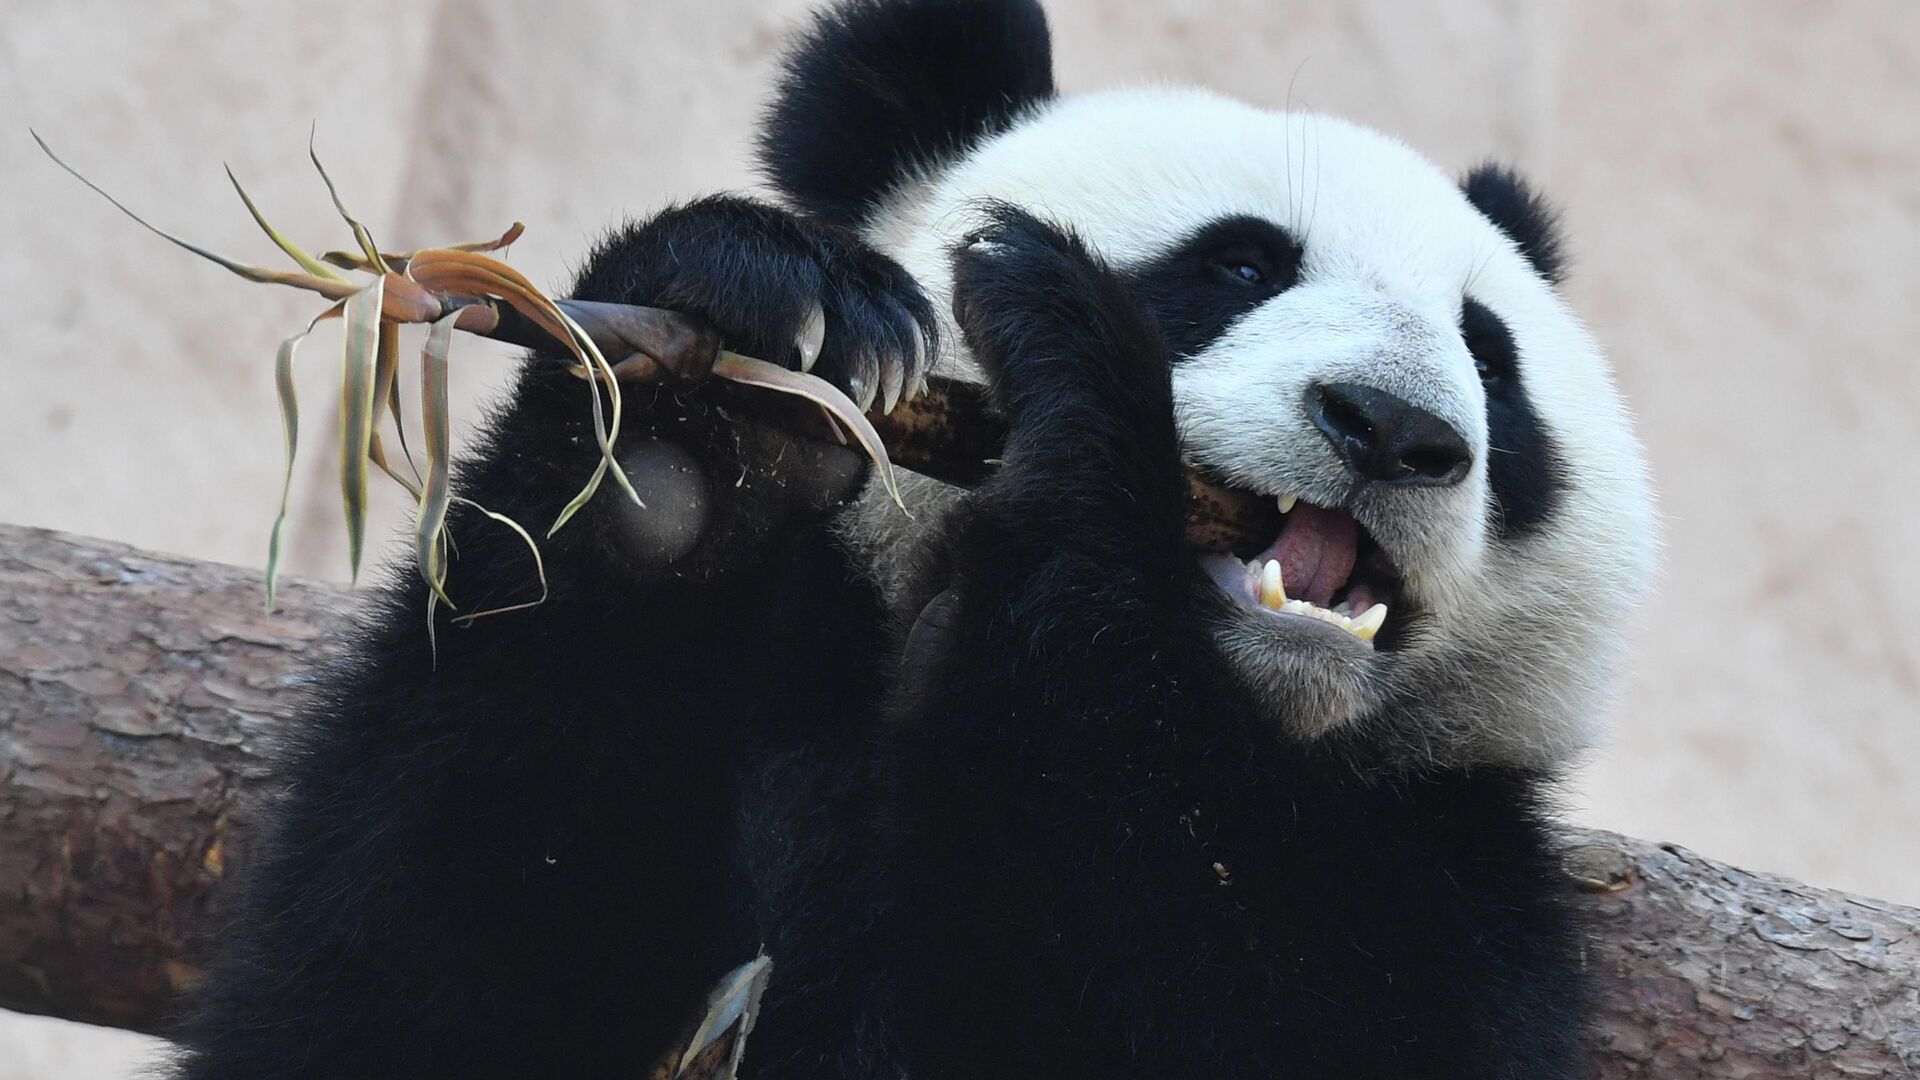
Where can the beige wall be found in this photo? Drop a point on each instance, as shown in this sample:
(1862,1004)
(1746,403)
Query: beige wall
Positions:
(1741,180)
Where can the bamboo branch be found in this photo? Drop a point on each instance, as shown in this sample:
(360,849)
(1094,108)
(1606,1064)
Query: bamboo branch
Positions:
(139,697)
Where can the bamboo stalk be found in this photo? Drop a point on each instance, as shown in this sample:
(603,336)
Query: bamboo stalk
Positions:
(949,432)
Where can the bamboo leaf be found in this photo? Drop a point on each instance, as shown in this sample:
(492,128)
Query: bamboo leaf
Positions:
(307,262)
(290,425)
(332,289)
(539,566)
(358,361)
(353,260)
(503,240)
(751,372)
(735,1000)
(398,260)
(609,428)
(360,233)
(399,421)
(430,519)
(386,396)
(445,270)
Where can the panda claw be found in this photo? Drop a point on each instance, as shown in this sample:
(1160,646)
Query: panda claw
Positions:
(812,335)
(892,380)
(861,387)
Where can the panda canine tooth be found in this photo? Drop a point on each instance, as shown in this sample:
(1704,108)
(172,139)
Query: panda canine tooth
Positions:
(1370,623)
(1273,589)
(1287,502)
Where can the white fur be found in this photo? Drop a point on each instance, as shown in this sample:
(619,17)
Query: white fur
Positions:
(1523,634)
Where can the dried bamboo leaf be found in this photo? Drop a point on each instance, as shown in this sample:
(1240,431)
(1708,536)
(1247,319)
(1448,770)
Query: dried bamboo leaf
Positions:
(386,398)
(732,1006)
(398,260)
(539,566)
(307,262)
(408,302)
(505,239)
(358,360)
(399,415)
(290,426)
(606,429)
(751,372)
(446,270)
(330,288)
(353,260)
(360,233)
(450,271)
(430,519)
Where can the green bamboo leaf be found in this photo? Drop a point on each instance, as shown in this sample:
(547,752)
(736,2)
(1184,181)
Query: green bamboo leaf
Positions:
(430,519)
(360,233)
(332,289)
(358,360)
(307,262)
(751,372)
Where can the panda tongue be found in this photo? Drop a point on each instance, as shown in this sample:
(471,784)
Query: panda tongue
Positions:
(1316,550)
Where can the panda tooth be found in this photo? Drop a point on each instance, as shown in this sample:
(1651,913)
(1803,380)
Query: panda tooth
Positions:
(812,335)
(1286,503)
(1273,589)
(1369,623)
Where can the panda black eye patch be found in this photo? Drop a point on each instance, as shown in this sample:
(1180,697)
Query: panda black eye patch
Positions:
(1524,469)
(1488,339)
(1201,285)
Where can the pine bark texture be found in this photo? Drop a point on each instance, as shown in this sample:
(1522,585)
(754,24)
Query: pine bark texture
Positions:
(140,695)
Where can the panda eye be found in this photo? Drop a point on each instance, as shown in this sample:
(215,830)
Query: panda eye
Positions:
(1239,270)
(1488,341)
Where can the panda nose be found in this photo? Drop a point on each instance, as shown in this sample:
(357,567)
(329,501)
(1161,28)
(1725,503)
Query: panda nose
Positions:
(1386,439)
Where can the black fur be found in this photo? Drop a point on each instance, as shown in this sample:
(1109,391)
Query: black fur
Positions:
(1067,849)
(758,272)
(1524,469)
(1045,834)
(519,861)
(1114,864)
(1510,202)
(878,88)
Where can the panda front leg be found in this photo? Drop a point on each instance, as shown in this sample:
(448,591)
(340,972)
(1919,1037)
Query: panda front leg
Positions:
(516,858)
(1057,696)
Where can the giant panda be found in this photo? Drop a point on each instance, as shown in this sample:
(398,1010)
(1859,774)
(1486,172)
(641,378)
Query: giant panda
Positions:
(1017,784)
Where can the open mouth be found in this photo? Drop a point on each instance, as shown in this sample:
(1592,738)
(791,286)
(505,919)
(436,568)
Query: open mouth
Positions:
(1323,567)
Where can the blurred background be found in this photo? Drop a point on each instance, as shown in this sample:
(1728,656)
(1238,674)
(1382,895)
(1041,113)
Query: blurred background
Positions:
(1741,185)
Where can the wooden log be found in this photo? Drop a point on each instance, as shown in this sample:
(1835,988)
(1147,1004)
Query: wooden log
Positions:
(140,693)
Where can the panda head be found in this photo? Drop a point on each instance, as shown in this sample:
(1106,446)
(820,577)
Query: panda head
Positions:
(1357,336)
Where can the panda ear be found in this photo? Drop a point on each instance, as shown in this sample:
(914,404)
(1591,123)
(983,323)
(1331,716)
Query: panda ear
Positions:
(1510,203)
(878,88)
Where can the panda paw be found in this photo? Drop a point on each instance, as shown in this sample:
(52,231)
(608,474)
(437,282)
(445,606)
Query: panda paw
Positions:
(1056,329)
(778,286)
(1086,384)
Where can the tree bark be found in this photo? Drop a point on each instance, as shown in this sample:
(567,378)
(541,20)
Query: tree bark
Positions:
(139,695)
